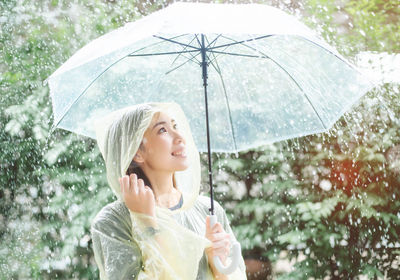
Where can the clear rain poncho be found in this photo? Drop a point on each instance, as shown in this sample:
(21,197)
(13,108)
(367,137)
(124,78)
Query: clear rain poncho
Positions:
(123,246)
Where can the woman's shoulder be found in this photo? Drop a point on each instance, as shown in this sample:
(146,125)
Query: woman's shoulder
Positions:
(204,202)
(113,217)
(113,208)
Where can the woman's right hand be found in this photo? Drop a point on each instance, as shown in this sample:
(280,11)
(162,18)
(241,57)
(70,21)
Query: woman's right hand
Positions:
(137,197)
(220,246)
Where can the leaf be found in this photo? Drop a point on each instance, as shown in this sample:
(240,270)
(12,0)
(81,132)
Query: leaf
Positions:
(13,127)
(292,237)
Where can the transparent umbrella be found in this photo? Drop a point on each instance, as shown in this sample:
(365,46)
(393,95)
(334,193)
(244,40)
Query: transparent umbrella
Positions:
(245,75)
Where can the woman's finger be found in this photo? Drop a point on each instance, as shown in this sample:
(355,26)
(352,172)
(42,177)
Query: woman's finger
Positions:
(217,228)
(133,183)
(125,183)
(149,192)
(225,243)
(147,189)
(208,229)
(121,184)
(219,236)
(221,250)
(140,185)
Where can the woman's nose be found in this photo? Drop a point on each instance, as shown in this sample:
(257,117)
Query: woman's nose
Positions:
(179,138)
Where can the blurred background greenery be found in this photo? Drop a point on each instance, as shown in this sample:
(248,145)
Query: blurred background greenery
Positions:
(320,207)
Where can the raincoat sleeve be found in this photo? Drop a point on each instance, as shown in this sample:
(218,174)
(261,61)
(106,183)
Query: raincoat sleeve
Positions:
(125,248)
(240,272)
(117,255)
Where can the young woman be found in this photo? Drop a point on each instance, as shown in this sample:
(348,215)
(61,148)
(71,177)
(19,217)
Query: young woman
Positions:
(158,228)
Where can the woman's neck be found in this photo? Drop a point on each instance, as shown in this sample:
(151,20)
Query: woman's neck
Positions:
(165,193)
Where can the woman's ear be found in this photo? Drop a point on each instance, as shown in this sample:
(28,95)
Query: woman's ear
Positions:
(138,158)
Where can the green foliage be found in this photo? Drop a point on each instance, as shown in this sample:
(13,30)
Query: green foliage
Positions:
(53,183)
(354,26)
(347,229)
(330,202)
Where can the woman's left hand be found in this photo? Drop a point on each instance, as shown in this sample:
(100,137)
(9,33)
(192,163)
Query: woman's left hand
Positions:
(220,244)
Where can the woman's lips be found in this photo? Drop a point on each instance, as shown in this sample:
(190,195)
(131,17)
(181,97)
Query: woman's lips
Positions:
(180,153)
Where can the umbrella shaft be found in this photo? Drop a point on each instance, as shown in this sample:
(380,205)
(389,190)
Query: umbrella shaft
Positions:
(204,70)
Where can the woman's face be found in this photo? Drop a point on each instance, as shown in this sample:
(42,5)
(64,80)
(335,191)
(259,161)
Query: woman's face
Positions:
(163,145)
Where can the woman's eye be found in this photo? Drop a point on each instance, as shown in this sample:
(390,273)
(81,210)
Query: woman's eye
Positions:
(175,126)
(162,130)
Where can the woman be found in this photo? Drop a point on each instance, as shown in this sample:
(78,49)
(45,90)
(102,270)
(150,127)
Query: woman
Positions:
(158,228)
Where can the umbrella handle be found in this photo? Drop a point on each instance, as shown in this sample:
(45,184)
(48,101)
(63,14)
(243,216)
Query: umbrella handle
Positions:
(235,254)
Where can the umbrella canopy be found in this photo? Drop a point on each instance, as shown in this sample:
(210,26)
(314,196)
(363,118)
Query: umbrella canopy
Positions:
(269,78)
(250,74)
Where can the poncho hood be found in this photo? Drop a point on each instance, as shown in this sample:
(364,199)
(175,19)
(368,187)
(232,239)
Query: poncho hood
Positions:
(120,133)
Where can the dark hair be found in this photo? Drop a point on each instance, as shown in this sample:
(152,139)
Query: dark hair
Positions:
(134,168)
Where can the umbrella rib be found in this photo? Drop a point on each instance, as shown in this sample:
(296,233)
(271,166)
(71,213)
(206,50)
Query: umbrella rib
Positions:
(179,66)
(184,49)
(239,54)
(165,53)
(156,43)
(200,44)
(215,56)
(218,69)
(239,42)
(193,57)
(291,77)
(176,42)
(213,41)
(197,38)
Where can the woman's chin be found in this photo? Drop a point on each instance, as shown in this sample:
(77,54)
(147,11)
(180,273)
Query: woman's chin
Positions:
(182,166)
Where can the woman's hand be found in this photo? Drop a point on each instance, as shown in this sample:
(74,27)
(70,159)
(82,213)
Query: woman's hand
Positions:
(137,197)
(220,246)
